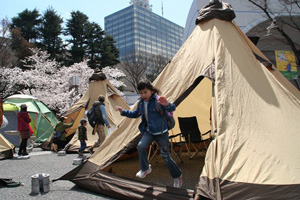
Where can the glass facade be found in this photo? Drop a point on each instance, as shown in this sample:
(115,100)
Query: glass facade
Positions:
(139,30)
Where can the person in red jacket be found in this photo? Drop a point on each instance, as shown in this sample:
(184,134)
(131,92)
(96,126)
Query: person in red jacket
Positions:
(24,129)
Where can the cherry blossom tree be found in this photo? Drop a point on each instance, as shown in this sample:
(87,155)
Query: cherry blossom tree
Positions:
(114,75)
(49,82)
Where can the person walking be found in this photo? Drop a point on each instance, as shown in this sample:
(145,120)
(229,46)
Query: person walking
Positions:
(24,129)
(153,128)
(101,122)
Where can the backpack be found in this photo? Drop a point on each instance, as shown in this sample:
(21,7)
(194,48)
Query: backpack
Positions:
(94,117)
(167,116)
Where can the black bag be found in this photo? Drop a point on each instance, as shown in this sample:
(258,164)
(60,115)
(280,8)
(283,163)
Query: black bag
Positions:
(93,118)
(167,116)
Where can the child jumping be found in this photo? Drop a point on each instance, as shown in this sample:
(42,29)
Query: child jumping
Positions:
(153,128)
(82,136)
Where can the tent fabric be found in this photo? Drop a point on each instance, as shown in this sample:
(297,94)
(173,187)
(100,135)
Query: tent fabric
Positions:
(89,177)
(78,111)
(11,107)
(254,119)
(129,189)
(255,114)
(10,113)
(6,148)
(43,120)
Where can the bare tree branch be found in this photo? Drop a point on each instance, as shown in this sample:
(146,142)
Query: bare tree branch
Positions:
(289,7)
(279,25)
(158,63)
(135,66)
(7,57)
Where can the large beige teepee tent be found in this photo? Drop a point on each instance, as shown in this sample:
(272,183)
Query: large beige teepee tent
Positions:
(255,118)
(78,111)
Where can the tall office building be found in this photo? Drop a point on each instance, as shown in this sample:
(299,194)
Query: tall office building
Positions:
(137,30)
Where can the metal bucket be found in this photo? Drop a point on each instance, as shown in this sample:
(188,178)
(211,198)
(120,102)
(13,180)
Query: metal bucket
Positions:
(45,183)
(40,183)
(61,153)
(35,184)
(77,161)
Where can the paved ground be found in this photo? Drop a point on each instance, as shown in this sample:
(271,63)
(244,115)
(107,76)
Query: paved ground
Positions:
(21,170)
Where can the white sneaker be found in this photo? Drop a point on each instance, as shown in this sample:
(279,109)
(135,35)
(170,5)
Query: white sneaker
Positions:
(142,174)
(26,156)
(178,182)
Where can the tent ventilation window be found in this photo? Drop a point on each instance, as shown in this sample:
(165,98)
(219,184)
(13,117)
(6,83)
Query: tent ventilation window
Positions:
(209,72)
(111,92)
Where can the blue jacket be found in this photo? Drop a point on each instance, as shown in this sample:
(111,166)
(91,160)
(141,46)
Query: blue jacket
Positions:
(155,119)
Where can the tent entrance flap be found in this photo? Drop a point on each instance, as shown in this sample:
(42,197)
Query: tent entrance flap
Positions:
(188,91)
(209,72)
(197,102)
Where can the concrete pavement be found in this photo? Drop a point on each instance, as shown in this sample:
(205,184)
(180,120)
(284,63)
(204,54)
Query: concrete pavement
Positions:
(21,170)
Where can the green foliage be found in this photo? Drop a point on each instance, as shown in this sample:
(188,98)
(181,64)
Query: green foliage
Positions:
(28,22)
(82,39)
(77,29)
(109,53)
(50,31)
(94,38)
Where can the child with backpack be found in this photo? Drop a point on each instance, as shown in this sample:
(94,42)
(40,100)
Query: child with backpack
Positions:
(153,128)
(82,136)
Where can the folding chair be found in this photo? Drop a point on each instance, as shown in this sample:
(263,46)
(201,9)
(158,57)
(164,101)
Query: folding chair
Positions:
(176,145)
(154,149)
(190,131)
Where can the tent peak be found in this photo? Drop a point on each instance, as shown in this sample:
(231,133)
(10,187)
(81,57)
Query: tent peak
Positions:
(98,76)
(216,9)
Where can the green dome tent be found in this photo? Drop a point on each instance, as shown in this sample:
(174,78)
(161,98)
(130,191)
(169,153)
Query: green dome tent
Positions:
(43,119)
